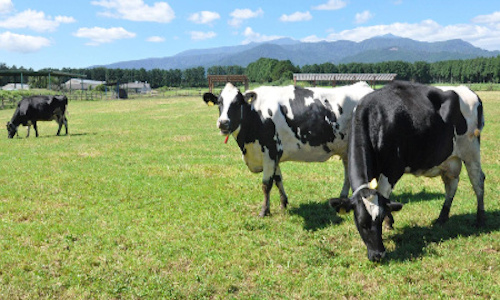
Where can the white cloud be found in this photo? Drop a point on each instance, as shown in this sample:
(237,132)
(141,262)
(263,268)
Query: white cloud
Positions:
(488,19)
(99,35)
(252,36)
(200,35)
(363,17)
(204,17)
(240,15)
(22,43)
(331,5)
(136,10)
(35,20)
(296,17)
(6,6)
(155,39)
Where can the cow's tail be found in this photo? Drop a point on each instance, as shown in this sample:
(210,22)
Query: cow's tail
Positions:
(480,119)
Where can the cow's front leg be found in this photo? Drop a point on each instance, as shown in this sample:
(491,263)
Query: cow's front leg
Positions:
(28,134)
(278,180)
(60,123)
(269,171)
(450,176)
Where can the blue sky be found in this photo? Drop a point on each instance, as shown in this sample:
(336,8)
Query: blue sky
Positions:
(81,33)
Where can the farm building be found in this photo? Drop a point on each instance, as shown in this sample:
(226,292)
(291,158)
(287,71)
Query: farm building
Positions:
(82,84)
(137,87)
(15,87)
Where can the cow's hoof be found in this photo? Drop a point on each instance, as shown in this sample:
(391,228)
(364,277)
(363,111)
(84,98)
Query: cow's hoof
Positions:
(480,219)
(440,221)
(264,212)
(284,203)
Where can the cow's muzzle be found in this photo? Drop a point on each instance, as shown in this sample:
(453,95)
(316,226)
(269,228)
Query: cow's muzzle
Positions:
(375,256)
(224,126)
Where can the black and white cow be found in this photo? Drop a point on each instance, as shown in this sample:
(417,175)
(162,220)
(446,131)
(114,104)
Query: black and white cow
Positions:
(39,108)
(276,124)
(410,128)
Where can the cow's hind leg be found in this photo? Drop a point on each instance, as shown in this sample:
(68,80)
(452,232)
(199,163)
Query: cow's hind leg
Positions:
(347,184)
(278,180)
(450,176)
(36,128)
(477,177)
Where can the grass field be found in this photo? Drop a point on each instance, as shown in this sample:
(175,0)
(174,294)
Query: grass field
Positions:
(143,200)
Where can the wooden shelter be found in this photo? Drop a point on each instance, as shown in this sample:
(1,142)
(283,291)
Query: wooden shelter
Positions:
(371,78)
(226,78)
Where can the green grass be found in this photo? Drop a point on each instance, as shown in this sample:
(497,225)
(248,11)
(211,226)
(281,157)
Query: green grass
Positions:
(144,200)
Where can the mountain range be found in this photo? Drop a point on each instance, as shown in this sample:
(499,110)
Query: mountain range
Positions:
(373,50)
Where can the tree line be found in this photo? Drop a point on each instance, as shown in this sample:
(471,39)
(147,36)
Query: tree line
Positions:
(267,70)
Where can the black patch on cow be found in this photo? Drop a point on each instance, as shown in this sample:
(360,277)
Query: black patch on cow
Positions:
(402,125)
(312,123)
(254,127)
(341,111)
(270,112)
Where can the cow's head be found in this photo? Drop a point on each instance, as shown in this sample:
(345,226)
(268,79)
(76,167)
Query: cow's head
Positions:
(370,208)
(231,103)
(11,129)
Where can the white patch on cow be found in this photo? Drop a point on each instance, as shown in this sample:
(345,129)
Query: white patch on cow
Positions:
(228,94)
(372,206)
(468,107)
(384,187)
(308,101)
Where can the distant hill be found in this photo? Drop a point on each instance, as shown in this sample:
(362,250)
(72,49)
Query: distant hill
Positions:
(377,49)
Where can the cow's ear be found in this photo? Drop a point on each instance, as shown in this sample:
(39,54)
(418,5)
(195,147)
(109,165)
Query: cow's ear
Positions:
(394,206)
(210,99)
(341,205)
(250,97)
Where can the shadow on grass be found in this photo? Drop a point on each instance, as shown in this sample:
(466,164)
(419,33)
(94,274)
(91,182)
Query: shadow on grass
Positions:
(416,197)
(316,215)
(62,135)
(412,242)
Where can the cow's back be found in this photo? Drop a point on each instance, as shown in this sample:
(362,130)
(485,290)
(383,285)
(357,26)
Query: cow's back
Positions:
(312,123)
(405,125)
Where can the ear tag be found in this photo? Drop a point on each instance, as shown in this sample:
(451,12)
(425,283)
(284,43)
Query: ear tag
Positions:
(210,103)
(250,100)
(342,211)
(373,184)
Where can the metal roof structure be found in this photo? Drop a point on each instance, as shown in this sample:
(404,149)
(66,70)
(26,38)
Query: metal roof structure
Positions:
(48,73)
(352,77)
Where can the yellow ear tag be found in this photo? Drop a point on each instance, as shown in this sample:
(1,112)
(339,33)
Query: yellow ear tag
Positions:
(210,103)
(342,211)
(250,100)
(373,184)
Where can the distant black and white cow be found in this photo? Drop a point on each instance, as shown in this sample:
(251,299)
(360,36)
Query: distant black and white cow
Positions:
(410,128)
(276,124)
(39,108)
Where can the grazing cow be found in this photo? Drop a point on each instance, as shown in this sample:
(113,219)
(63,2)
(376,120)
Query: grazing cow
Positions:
(39,108)
(275,124)
(410,128)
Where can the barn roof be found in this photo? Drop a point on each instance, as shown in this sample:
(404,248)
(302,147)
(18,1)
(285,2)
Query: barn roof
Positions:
(345,77)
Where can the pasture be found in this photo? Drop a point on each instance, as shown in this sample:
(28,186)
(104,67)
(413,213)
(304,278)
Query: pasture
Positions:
(143,200)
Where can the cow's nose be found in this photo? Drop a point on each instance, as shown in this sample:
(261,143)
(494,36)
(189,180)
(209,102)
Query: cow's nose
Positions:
(375,255)
(224,125)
